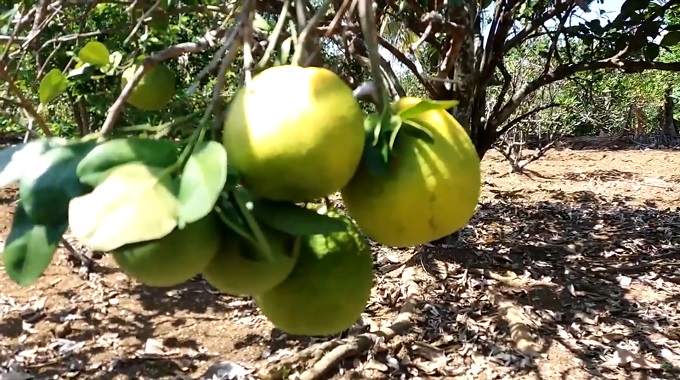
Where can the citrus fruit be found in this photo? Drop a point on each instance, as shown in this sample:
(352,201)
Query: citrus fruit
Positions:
(237,269)
(431,190)
(328,288)
(154,90)
(294,133)
(174,258)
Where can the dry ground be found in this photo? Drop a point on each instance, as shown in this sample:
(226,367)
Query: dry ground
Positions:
(572,273)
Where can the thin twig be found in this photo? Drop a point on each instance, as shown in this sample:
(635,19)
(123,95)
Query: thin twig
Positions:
(174,51)
(274,37)
(300,50)
(140,21)
(368,27)
(25,103)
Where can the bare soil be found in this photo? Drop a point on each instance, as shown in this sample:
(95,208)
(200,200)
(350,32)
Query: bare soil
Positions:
(569,272)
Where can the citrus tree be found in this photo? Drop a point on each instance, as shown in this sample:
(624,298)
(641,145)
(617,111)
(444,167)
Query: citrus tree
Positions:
(205,137)
(217,155)
(460,49)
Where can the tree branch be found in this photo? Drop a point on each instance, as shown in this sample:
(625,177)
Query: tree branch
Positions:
(519,119)
(565,71)
(408,63)
(530,28)
(207,41)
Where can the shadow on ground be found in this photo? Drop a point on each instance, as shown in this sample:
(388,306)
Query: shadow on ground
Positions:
(598,274)
(580,261)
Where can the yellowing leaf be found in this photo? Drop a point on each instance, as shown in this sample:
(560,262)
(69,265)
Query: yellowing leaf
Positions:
(95,53)
(132,204)
(53,84)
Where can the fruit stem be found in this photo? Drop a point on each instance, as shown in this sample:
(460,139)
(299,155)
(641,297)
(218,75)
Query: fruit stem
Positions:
(274,37)
(234,226)
(262,245)
(196,137)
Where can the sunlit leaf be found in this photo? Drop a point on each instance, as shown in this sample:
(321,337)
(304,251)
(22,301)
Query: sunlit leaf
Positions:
(94,53)
(426,105)
(202,181)
(53,84)
(293,219)
(16,159)
(133,203)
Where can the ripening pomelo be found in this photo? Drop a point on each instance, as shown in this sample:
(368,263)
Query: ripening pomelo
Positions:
(294,133)
(153,91)
(174,258)
(236,269)
(431,190)
(328,288)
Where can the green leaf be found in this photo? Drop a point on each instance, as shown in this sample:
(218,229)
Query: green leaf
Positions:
(371,122)
(293,219)
(30,247)
(397,123)
(110,154)
(374,161)
(14,161)
(202,181)
(134,203)
(233,178)
(386,118)
(53,84)
(95,53)
(231,217)
(426,105)
(652,51)
(671,38)
(418,131)
(115,59)
(48,186)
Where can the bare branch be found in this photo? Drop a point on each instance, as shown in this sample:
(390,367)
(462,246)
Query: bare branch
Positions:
(530,28)
(408,63)
(524,116)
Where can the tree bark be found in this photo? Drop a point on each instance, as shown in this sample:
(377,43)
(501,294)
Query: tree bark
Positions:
(668,127)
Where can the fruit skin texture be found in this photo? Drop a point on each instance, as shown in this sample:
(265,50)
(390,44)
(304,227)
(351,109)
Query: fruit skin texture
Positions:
(236,270)
(431,191)
(173,259)
(328,288)
(153,91)
(294,133)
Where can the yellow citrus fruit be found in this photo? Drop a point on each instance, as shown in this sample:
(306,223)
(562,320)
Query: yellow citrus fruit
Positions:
(154,90)
(294,133)
(431,190)
(236,269)
(328,288)
(174,258)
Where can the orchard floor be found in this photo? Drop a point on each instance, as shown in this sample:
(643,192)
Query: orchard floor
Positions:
(572,272)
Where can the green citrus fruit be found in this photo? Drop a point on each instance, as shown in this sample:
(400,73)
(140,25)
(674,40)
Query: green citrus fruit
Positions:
(328,288)
(238,269)
(174,258)
(154,90)
(294,133)
(431,190)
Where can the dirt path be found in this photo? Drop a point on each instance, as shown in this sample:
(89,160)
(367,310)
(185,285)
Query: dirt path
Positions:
(577,265)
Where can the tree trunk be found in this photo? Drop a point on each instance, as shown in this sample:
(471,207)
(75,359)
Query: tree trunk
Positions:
(668,128)
(460,80)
